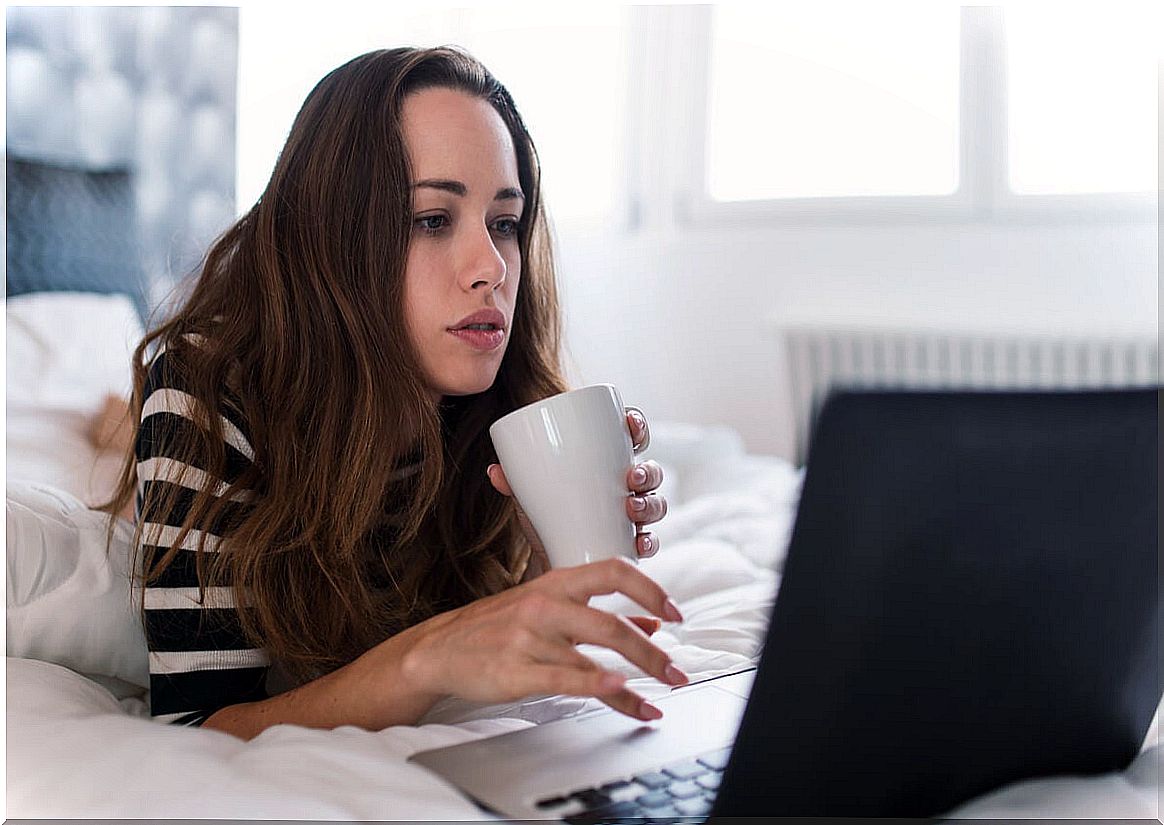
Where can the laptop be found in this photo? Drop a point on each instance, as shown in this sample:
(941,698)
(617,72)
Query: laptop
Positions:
(969,599)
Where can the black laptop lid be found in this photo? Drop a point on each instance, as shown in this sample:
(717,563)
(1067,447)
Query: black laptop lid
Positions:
(970,598)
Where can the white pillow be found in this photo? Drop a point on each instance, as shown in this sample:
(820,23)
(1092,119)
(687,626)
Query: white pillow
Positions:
(69,602)
(65,352)
(688,453)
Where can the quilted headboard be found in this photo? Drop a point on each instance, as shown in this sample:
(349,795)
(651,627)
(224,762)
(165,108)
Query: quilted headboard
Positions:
(120,155)
(67,230)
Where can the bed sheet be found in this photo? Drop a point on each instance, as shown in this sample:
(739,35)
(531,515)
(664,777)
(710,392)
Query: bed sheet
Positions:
(74,751)
(118,763)
(80,748)
(77,751)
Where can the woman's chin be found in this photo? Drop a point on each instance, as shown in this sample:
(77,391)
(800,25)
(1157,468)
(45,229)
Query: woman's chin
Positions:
(468,386)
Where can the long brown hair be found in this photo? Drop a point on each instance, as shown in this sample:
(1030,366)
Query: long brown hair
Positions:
(296,321)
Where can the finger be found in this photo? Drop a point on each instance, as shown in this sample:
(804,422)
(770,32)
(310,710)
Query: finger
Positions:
(646,509)
(610,684)
(633,705)
(587,625)
(614,575)
(557,653)
(646,545)
(644,477)
(639,430)
(552,649)
(647,624)
(565,680)
(498,480)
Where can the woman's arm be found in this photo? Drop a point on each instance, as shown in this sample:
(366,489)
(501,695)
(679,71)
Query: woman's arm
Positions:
(370,692)
(515,644)
(199,656)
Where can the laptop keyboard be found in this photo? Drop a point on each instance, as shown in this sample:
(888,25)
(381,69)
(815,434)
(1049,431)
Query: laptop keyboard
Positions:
(678,792)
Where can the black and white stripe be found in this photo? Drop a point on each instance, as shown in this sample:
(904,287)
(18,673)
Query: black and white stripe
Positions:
(199,659)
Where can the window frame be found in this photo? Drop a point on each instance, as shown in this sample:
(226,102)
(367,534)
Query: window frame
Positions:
(983,193)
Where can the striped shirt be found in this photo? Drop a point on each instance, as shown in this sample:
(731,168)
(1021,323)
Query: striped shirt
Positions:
(199,659)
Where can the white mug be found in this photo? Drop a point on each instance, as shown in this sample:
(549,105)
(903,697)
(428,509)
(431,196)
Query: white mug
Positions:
(566,459)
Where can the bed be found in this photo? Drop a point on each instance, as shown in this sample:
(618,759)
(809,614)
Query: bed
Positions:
(77,708)
(80,743)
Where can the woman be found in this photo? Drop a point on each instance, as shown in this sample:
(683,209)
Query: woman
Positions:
(318,541)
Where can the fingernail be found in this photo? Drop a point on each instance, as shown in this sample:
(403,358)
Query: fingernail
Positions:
(675,676)
(649,711)
(671,611)
(639,475)
(638,504)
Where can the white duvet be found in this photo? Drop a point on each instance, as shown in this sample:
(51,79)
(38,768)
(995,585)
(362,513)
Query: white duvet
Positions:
(80,743)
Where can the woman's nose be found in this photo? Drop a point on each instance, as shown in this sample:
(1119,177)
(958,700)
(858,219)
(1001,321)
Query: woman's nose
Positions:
(484,263)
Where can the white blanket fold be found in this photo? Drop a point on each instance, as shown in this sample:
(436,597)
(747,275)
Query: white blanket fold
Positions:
(76,751)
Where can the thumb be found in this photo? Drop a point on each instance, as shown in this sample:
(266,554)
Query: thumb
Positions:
(498,480)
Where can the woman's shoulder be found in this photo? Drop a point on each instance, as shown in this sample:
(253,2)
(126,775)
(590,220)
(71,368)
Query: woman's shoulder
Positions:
(172,388)
(171,362)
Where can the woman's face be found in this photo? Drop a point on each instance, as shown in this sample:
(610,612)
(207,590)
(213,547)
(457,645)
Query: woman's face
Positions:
(464,255)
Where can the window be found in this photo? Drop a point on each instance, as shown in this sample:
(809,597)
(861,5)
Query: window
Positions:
(921,112)
(804,101)
(1082,102)
(906,110)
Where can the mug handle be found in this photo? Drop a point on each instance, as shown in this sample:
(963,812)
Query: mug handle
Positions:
(647,440)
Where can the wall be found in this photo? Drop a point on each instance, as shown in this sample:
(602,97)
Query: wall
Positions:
(684,321)
(683,316)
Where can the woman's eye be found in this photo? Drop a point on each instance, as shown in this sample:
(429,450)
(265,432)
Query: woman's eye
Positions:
(431,224)
(507,226)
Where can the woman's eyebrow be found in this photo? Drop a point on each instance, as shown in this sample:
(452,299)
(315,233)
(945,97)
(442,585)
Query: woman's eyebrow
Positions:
(508,193)
(457,188)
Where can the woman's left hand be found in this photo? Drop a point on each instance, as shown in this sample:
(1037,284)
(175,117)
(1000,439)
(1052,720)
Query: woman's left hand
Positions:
(643,508)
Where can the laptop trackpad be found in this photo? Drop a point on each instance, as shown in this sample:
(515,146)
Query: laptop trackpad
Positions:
(576,753)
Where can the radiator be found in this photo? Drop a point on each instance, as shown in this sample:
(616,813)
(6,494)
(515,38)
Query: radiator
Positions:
(823,359)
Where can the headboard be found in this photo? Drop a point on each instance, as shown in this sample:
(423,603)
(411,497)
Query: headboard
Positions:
(120,155)
(67,230)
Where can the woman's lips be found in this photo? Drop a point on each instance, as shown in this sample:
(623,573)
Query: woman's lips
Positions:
(481,339)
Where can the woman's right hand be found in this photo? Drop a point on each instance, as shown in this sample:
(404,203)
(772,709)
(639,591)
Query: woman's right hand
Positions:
(521,642)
